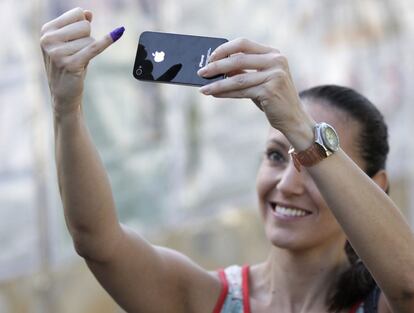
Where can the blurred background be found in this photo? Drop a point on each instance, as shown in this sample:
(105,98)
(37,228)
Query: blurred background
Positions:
(182,165)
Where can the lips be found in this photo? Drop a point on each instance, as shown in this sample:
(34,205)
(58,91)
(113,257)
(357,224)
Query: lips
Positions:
(288,211)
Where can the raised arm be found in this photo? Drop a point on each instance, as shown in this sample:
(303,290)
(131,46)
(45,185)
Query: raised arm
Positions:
(374,225)
(139,276)
(86,195)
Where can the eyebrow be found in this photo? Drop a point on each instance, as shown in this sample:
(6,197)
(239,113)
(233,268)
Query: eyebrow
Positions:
(279,142)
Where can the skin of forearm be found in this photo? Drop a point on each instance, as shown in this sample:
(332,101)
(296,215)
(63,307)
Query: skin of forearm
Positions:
(374,225)
(85,189)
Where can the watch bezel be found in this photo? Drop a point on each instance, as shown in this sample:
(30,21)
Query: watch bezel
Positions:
(323,128)
(319,150)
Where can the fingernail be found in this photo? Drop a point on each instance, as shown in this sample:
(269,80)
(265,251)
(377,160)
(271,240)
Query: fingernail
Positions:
(212,56)
(117,33)
(205,90)
(202,71)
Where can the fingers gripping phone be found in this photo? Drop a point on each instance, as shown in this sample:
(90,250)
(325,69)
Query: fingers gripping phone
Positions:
(174,58)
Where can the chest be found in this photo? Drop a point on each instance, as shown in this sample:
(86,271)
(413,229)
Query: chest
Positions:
(238,299)
(260,307)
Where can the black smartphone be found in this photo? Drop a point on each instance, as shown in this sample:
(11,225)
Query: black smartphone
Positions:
(174,58)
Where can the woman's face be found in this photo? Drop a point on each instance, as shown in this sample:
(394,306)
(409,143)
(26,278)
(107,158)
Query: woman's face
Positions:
(295,215)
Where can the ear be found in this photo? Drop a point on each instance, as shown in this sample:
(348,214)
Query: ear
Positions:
(381,179)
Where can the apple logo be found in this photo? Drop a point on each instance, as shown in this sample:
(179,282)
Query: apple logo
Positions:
(159,56)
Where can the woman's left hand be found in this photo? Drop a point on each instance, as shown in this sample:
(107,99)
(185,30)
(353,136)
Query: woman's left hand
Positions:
(257,72)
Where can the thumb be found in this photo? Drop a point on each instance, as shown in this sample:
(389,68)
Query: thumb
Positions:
(98,46)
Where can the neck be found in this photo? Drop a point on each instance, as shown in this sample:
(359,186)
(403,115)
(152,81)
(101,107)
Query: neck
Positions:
(296,281)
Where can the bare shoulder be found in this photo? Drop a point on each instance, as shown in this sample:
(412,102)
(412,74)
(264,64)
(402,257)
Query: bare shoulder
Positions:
(202,287)
(142,277)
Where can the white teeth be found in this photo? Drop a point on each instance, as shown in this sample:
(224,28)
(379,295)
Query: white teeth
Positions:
(289,211)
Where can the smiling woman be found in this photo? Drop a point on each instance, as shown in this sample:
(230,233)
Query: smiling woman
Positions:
(311,208)
(296,198)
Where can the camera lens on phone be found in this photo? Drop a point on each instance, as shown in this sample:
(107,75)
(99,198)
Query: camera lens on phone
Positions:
(138,72)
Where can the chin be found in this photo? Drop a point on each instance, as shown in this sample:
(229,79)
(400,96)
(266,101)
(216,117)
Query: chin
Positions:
(287,241)
(300,241)
(295,238)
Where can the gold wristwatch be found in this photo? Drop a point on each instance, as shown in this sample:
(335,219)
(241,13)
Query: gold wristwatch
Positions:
(325,144)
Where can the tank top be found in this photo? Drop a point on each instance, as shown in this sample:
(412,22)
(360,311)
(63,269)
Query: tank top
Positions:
(234,296)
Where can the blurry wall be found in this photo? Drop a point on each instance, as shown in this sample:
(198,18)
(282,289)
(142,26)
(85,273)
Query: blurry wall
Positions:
(182,165)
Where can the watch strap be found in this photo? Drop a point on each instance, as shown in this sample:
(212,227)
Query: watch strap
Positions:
(309,157)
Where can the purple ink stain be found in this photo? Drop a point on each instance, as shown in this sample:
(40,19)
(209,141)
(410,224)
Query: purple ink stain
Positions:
(117,33)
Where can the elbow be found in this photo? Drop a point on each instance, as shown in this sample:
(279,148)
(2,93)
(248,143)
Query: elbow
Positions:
(403,299)
(404,302)
(407,293)
(93,247)
(83,238)
(82,244)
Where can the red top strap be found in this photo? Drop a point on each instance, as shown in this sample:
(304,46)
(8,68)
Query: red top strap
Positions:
(223,293)
(245,289)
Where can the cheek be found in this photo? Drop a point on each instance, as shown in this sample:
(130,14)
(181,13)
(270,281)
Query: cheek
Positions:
(265,181)
(263,185)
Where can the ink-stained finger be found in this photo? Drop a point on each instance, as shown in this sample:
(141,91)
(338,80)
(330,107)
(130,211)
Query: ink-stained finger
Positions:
(98,46)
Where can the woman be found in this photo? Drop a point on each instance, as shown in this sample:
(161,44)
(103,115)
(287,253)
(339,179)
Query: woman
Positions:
(310,206)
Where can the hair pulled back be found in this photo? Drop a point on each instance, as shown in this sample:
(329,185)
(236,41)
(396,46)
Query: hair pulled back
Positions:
(355,283)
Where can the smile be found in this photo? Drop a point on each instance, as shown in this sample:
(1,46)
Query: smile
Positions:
(288,212)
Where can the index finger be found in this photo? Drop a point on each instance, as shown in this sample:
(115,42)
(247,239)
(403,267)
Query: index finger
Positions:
(69,17)
(98,46)
(239,45)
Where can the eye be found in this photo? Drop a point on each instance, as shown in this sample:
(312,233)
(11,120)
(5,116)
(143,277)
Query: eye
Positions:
(275,156)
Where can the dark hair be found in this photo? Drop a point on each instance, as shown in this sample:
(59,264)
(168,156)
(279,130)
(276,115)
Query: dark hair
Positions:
(355,283)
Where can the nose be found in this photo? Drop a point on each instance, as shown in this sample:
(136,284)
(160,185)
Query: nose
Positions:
(291,181)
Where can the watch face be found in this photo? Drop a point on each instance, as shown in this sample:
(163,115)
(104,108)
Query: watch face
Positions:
(330,137)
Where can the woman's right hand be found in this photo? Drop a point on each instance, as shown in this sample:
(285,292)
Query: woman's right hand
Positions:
(67,48)
(262,74)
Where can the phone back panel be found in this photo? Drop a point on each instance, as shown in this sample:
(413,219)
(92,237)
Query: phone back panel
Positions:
(174,58)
